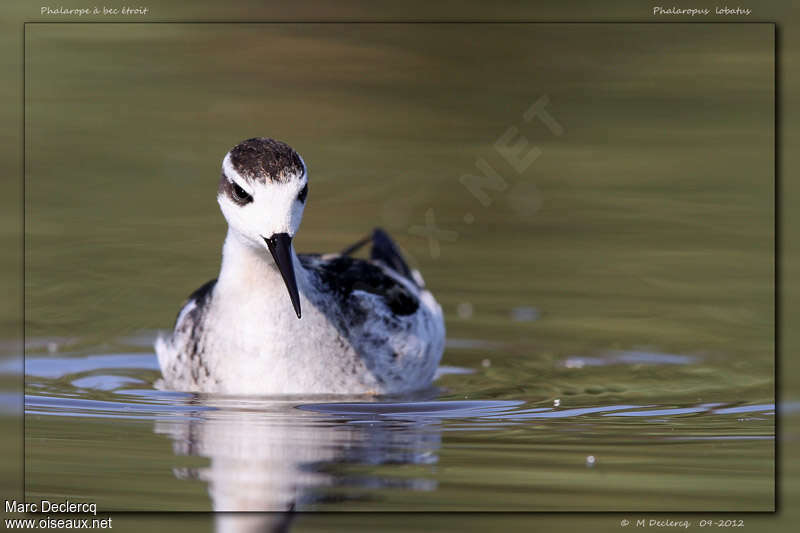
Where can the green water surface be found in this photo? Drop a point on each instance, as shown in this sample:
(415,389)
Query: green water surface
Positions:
(628,261)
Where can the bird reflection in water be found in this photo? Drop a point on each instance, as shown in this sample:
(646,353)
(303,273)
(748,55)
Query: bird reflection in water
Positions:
(277,458)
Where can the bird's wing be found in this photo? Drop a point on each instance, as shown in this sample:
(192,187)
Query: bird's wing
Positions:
(196,301)
(341,275)
(385,252)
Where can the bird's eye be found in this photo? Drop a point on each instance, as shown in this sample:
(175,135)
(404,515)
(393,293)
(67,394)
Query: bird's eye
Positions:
(303,194)
(240,195)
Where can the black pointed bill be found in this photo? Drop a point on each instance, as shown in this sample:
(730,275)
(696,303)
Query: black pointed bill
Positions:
(280,246)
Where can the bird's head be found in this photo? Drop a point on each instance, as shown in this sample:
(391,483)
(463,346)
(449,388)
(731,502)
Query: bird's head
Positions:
(262,193)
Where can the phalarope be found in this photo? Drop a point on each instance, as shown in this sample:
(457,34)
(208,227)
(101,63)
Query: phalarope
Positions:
(349,326)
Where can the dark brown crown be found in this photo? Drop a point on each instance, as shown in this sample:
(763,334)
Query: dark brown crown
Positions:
(262,159)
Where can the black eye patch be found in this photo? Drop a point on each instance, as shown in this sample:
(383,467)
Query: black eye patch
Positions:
(303,193)
(239,195)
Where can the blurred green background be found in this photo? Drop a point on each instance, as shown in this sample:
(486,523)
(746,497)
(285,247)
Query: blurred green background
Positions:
(642,224)
(649,221)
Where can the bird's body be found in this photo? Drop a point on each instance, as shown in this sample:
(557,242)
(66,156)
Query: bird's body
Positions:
(368,326)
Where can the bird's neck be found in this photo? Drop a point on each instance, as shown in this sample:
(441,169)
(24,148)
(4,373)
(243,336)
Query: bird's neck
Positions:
(249,268)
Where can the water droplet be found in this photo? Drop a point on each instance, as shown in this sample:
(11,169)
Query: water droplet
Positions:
(464,310)
(525,200)
(524,314)
(591,460)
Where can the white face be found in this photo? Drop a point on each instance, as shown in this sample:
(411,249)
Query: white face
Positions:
(274,207)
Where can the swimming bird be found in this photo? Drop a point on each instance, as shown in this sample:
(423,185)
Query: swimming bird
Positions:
(277,322)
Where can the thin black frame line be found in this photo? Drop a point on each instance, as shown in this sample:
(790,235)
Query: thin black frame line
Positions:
(776,232)
(777,271)
(24,263)
(429,511)
(402,21)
